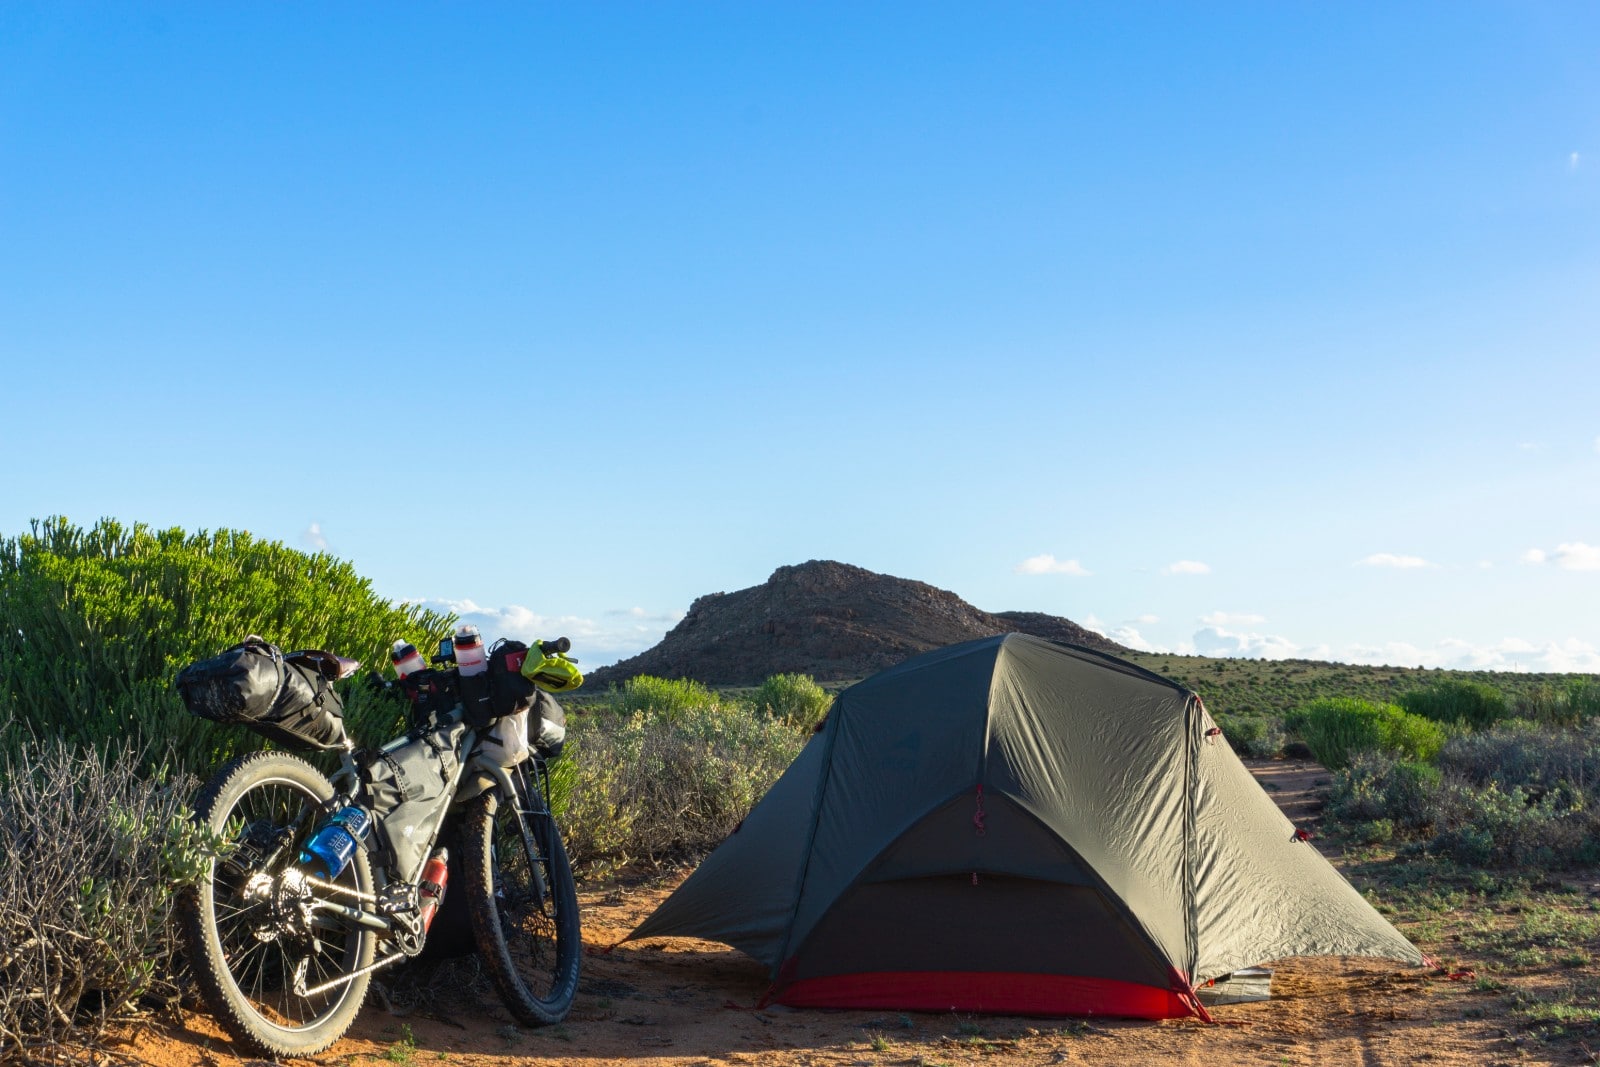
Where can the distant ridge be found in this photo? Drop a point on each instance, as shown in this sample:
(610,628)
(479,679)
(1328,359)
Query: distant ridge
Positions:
(830,620)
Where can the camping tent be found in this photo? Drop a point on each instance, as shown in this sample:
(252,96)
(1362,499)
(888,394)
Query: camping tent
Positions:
(1010,825)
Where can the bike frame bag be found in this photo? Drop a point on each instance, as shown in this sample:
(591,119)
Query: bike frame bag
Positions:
(408,790)
(287,698)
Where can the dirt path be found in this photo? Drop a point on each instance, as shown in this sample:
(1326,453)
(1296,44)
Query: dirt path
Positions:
(685,1002)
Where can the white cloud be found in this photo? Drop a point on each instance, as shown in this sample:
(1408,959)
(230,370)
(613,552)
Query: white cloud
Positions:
(1577,556)
(313,539)
(1485,565)
(1573,161)
(1092,623)
(1128,634)
(1217,641)
(1048,564)
(641,615)
(1571,657)
(1507,654)
(1570,556)
(1389,559)
(595,643)
(1132,638)
(1186,566)
(1232,618)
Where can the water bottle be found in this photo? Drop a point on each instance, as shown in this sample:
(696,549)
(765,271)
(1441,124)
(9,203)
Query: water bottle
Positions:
(406,658)
(434,877)
(331,847)
(471,657)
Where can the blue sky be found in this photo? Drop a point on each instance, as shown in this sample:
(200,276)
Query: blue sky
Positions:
(1262,329)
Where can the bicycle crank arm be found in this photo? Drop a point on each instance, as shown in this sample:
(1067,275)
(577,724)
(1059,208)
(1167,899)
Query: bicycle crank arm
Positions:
(300,989)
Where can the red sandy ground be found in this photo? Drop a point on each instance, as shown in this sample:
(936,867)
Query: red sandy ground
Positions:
(686,1002)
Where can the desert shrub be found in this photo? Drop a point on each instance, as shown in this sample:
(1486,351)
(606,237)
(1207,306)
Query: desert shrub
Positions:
(1452,700)
(1336,728)
(91,851)
(1411,736)
(1378,788)
(1495,827)
(1545,704)
(1518,795)
(668,697)
(1568,703)
(1526,754)
(1251,736)
(666,782)
(1583,697)
(99,621)
(795,698)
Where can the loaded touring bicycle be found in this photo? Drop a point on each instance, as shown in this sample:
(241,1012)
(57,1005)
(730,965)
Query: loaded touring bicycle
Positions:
(320,881)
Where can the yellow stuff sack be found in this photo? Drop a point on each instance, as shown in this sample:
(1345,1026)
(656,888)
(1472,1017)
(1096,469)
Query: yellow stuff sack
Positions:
(554,673)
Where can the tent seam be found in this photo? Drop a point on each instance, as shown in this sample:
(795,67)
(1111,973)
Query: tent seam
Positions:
(1192,712)
(835,720)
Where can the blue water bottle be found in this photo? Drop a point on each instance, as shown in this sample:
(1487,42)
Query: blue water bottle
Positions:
(331,847)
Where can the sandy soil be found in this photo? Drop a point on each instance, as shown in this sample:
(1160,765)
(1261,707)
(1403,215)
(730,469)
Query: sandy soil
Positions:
(686,1002)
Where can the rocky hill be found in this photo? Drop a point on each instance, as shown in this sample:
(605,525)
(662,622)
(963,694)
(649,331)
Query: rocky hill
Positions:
(830,620)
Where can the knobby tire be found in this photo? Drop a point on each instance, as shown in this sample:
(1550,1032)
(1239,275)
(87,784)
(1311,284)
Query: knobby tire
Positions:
(532,949)
(246,980)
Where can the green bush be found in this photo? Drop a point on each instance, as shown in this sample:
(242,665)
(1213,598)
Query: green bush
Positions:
(662,782)
(795,698)
(1525,754)
(1377,788)
(1251,736)
(99,621)
(1454,700)
(91,851)
(1337,728)
(668,697)
(1571,702)
(1494,827)
(1518,795)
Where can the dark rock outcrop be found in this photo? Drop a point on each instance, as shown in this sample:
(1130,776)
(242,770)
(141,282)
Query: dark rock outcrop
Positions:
(830,620)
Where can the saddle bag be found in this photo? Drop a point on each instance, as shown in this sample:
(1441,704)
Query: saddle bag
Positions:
(407,789)
(286,697)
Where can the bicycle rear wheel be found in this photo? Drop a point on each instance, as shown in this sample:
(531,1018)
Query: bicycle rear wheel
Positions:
(249,945)
(522,902)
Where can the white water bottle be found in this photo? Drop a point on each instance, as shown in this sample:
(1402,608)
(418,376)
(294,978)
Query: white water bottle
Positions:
(406,658)
(471,657)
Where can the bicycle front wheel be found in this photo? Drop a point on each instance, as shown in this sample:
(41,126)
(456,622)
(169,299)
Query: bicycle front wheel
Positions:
(275,979)
(523,903)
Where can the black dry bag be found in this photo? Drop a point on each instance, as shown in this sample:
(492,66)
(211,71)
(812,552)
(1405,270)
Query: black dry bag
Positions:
(287,698)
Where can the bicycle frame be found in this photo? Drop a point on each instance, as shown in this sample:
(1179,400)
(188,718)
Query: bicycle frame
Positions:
(366,911)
